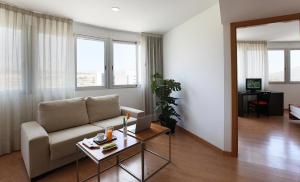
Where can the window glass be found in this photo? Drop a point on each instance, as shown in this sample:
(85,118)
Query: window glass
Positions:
(124,63)
(295,65)
(276,65)
(90,62)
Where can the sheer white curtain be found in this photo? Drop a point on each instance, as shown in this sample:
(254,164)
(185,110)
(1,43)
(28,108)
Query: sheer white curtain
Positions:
(53,62)
(14,77)
(36,64)
(252,63)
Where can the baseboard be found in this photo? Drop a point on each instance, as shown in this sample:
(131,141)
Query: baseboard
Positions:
(204,142)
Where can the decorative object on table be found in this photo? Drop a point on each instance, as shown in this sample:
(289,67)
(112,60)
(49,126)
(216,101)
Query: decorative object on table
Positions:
(125,120)
(109,146)
(163,88)
(109,132)
(90,144)
(104,141)
(101,136)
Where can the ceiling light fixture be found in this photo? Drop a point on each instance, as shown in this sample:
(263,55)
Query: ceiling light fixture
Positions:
(116,9)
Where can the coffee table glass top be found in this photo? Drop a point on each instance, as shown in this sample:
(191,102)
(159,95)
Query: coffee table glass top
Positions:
(97,155)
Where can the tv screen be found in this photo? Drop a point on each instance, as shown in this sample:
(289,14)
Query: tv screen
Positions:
(253,84)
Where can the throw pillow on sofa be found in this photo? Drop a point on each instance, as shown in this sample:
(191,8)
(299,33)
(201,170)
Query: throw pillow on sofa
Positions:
(62,114)
(103,107)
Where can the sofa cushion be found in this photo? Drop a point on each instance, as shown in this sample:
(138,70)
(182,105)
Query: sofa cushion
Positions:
(62,143)
(62,114)
(116,122)
(103,107)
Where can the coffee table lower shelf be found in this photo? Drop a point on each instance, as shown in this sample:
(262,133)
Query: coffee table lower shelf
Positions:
(143,170)
(122,166)
(100,172)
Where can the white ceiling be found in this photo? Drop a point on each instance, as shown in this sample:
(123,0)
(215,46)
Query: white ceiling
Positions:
(156,16)
(239,10)
(286,31)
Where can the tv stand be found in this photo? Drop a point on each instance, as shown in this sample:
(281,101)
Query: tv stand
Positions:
(275,105)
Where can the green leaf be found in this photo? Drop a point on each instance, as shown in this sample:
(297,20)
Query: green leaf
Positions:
(163,88)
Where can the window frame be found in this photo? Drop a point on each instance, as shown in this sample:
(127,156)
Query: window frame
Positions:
(112,85)
(287,68)
(108,67)
(87,37)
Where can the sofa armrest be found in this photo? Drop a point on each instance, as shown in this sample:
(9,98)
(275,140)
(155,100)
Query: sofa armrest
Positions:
(133,112)
(34,148)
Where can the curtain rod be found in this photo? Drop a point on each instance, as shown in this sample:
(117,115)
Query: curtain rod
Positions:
(32,13)
(152,34)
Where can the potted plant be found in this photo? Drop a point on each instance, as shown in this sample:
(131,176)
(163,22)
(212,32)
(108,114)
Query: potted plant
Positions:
(163,88)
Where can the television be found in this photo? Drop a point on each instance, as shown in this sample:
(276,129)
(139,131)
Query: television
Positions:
(253,84)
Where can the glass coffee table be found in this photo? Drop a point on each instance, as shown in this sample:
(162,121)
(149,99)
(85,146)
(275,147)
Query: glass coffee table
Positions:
(98,156)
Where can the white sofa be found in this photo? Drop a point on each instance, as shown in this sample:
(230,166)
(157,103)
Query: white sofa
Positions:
(49,142)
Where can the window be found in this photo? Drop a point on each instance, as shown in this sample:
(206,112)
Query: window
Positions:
(124,63)
(295,65)
(13,69)
(276,65)
(90,62)
(94,55)
(284,65)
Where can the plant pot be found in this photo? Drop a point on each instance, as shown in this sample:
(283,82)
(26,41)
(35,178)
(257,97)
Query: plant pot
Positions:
(173,126)
(168,122)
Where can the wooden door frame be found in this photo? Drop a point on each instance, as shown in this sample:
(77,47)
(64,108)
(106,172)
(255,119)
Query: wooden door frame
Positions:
(234,84)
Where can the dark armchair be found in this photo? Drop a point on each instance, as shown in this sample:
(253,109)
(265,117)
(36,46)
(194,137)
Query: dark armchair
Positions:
(261,104)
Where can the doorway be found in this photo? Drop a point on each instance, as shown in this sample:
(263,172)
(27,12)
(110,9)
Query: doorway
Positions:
(234,67)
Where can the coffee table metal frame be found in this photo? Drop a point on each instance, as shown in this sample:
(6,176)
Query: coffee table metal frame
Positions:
(143,149)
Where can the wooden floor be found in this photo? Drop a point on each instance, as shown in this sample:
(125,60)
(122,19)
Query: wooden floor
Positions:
(269,151)
(270,141)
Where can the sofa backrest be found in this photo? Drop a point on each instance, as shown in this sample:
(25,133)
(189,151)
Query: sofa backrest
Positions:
(62,114)
(103,107)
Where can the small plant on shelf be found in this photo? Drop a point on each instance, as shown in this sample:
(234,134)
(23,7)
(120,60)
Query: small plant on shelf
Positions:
(162,88)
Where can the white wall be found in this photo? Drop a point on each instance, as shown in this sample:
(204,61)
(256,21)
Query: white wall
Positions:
(193,55)
(291,91)
(85,29)
(283,45)
(132,97)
